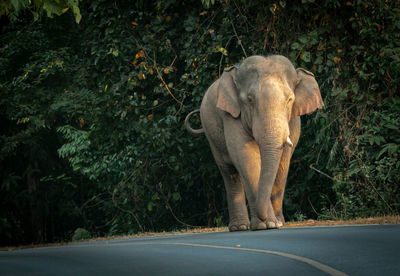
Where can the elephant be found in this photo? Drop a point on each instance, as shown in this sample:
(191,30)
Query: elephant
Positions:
(251,119)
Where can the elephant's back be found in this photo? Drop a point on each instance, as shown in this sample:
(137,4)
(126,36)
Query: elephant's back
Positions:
(212,122)
(211,95)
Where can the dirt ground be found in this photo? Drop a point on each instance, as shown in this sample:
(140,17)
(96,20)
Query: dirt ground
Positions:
(375,220)
(310,222)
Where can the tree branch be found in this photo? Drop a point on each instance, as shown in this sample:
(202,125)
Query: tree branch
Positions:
(239,40)
(324,174)
(165,85)
(126,211)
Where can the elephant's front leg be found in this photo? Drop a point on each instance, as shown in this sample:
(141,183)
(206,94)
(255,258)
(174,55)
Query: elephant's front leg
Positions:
(249,166)
(245,155)
(238,215)
(247,160)
(278,189)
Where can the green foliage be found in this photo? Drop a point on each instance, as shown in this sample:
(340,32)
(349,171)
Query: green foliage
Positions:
(81,234)
(94,112)
(371,178)
(13,8)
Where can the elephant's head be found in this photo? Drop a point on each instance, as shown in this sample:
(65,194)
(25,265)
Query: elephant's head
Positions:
(266,92)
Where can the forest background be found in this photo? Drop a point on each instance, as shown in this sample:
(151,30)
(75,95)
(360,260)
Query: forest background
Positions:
(94,95)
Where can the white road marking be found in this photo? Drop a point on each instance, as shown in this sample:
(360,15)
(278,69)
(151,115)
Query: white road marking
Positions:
(327,269)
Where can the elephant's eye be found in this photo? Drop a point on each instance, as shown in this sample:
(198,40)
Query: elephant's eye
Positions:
(250,98)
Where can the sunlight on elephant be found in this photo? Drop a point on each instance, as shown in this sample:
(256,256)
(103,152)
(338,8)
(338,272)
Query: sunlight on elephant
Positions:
(250,117)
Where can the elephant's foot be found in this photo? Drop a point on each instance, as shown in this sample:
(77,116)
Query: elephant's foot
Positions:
(239,225)
(257,224)
(280,219)
(273,224)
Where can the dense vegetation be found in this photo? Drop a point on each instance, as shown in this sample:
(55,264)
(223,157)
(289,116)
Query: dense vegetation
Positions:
(92,113)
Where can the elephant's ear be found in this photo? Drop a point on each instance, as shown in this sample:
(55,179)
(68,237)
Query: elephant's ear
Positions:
(307,94)
(228,93)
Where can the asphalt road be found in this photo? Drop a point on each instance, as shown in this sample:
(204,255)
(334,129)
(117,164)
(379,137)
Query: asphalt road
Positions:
(338,250)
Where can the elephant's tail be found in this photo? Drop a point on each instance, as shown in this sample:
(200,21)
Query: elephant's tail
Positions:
(187,124)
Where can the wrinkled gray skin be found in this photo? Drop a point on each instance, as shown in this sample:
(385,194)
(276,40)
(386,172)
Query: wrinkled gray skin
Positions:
(250,117)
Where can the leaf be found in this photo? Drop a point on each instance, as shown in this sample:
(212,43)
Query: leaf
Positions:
(222,50)
(303,39)
(52,8)
(150,206)
(176,196)
(18,5)
(296,46)
(77,13)
(306,56)
(391,126)
(318,60)
(383,150)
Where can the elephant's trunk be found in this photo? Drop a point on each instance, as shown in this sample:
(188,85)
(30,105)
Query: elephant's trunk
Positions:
(270,159)
(271,138)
